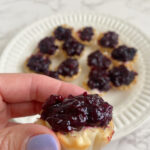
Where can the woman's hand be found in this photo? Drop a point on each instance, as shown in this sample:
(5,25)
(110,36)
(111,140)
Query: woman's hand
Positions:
(22,95)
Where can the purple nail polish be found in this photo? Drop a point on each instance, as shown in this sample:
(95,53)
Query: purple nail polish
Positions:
(42,142)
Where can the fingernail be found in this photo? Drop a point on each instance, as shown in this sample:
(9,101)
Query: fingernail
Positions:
(42,142)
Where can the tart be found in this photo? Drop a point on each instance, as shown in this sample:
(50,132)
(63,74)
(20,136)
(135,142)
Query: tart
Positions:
(110,65)
(81,122)
(86,35)
(98,79)
(108,41)
(124,55)
(63,32)
(48,46)
(37,63)
(98,60)
(122,78)
(72,48)
(69,69)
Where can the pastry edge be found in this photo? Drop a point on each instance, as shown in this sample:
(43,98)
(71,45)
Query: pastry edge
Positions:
(87,138)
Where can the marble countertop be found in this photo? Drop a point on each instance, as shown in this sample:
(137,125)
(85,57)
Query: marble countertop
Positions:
(16,14)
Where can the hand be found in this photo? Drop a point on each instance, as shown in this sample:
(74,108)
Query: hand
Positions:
(23,95)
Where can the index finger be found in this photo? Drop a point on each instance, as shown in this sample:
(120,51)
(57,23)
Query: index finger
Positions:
(26,87)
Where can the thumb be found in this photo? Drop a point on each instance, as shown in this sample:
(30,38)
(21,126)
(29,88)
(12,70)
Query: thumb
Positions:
(28,137)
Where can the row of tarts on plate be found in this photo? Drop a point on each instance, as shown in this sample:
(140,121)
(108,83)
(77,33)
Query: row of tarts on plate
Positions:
(112,65)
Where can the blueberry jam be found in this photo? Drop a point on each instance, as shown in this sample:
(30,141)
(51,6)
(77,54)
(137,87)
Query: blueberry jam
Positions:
(121,76)
(69,67)
(124,53)
(38,63)
(52,74)
(75,112)
(86,34)
(109,40)
(97,59)
(62,33)
(99,79)
(73,47)
(47,46)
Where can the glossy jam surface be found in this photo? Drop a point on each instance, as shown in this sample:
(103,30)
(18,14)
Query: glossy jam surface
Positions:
(75,112)
(47,46)
(72,47)
(124,53)
(38,63)
(61,33)
(69,67)
(86,34)
(97,59)
(52,74)
(99,79)
(121,76)
(110,40)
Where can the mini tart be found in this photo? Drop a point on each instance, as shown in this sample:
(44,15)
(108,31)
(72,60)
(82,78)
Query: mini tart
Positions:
(72,48)
(108,41)
(62,32)
(97,60)
(122,78)
(124,55)
(37,63)
(69,69)
(86,139)
(99,80)
(48,46)
(77,122)
(86,35)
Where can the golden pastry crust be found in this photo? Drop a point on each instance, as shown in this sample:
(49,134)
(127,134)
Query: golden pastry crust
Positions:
(88,43)
(105,49)
(68,79)
(87,139)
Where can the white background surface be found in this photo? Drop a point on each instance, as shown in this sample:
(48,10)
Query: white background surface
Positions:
(16,14)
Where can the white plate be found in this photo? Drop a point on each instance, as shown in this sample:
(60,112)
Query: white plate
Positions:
(131,107)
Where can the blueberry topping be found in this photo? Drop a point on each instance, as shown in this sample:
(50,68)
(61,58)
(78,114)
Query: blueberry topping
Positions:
(121,76)
(86,34)
(109,40)
(75,112)
(47,46)
(124,53)
(38,63)
(97,59)
(69,67)
(73,47)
